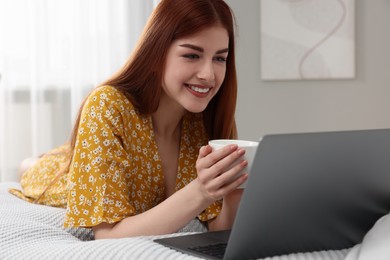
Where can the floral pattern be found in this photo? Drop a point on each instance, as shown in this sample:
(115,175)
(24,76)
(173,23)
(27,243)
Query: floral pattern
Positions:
(116,170)
(43,175)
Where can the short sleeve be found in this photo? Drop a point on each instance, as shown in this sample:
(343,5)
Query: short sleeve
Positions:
(97,186)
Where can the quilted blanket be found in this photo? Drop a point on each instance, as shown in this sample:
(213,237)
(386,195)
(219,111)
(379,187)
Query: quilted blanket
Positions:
(29,231)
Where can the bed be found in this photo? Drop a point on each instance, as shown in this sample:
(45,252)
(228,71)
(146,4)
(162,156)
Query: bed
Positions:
(29,231)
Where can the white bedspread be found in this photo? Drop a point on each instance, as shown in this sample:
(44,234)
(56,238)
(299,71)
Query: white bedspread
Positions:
(29,231)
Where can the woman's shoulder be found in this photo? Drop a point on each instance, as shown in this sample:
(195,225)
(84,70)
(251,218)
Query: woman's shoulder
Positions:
(108,93)
(112,103)
(109,96)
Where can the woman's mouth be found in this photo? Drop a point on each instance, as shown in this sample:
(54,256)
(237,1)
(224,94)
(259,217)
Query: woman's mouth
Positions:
(198,91)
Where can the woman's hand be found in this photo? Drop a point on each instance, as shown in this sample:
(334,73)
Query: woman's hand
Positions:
(219,180)
(216,176)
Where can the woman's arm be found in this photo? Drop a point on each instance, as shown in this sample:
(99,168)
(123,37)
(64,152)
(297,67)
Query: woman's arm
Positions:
(184,205)
(167,217)
(227,215)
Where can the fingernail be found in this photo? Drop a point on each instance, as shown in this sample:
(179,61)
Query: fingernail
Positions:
(244,163)
(233,147)
(240,151)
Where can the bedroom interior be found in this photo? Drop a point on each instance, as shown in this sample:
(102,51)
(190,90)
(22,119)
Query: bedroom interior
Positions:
(37,111)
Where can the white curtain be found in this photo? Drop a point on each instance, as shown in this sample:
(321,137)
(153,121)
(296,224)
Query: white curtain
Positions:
(52,53)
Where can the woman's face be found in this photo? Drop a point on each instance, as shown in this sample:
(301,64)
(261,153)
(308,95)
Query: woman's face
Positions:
(195,68)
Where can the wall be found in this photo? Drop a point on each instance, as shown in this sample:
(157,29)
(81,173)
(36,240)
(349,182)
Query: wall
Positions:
(315,105)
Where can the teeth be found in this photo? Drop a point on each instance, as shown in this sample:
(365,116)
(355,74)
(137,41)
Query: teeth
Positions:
(200,90)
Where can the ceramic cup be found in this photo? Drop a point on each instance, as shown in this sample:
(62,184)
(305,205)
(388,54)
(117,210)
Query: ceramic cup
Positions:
(250,148)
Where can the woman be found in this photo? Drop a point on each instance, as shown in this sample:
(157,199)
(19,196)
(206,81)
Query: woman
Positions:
(139,159)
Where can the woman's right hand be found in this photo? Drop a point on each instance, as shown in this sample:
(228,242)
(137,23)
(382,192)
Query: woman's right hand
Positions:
(216,176)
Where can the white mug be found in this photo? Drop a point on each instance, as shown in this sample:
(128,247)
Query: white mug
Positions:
(250,148)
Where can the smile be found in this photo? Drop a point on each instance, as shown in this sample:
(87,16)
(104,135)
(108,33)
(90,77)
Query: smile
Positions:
(198,89)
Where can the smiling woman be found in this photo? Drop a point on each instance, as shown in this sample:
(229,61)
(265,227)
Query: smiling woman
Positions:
(138,152)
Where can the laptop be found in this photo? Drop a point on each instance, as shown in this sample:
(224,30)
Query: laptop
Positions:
(306,192)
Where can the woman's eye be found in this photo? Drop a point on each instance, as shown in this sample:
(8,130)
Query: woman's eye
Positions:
(191,56)
(220,59)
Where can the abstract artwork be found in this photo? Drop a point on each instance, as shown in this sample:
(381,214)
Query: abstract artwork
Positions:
(307,39)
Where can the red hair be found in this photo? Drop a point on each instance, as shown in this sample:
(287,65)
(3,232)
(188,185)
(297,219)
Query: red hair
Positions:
(141,77)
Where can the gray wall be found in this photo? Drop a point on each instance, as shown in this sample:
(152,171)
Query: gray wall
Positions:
(315,105)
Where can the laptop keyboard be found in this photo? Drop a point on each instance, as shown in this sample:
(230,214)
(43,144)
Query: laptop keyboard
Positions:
(217,250)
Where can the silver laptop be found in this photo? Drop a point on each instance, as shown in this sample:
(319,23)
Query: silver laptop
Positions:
(306,192)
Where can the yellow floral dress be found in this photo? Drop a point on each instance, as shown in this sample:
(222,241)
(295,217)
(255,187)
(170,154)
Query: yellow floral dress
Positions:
(116,170)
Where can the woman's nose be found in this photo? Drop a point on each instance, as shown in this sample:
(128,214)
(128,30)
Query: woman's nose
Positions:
(206,72)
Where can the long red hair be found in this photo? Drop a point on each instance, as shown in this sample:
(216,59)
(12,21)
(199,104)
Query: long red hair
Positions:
(141,77)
